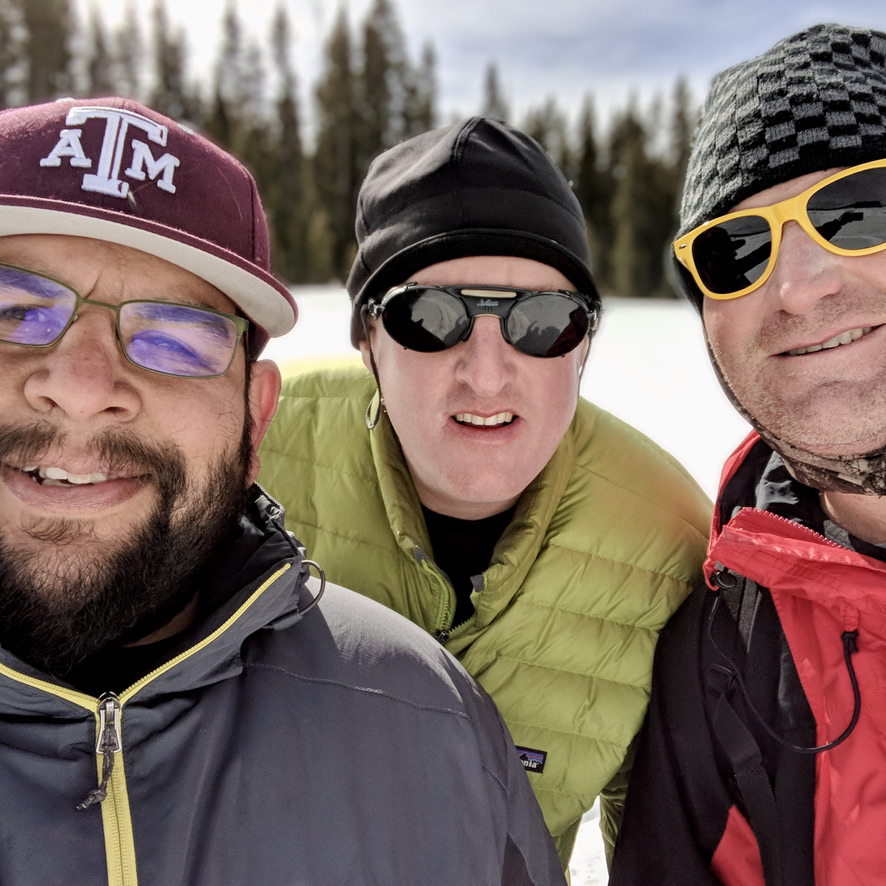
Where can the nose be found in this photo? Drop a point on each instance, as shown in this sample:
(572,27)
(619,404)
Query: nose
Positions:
(486,362)
(804,272)
(83,377)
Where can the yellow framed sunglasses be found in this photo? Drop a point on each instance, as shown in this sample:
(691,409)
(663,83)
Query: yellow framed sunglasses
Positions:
(734,254)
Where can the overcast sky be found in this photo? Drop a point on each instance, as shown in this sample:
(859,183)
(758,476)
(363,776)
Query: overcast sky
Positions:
(542,48)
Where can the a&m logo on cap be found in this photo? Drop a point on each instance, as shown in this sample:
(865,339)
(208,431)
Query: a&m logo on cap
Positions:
(117,148)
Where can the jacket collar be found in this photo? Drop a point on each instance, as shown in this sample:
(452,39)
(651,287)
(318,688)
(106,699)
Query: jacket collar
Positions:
(521,542)
(256,582)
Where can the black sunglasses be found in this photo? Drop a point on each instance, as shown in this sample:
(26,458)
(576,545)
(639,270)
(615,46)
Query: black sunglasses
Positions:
(435,318)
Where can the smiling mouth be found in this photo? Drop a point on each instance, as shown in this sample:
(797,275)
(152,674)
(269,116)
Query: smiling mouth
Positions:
(52,476)
(844,338)
(485,421)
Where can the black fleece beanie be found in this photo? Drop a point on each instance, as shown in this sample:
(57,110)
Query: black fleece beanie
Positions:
(479,187)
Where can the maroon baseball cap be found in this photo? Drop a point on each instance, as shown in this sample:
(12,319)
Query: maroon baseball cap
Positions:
(114,170)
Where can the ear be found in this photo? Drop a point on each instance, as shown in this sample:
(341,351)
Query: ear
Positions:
(264,394)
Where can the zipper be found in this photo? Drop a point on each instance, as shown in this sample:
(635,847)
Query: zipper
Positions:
(744,526)
(757,518)
(444,629)
(111,794)
(446,609)
(108,744)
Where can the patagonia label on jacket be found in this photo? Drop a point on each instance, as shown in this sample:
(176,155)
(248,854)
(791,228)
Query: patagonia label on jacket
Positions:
(533,761)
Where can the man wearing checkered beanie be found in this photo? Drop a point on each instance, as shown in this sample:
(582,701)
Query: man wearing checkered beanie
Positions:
(763,758)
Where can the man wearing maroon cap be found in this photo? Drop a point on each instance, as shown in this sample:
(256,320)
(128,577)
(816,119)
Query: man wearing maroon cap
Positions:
(176,704)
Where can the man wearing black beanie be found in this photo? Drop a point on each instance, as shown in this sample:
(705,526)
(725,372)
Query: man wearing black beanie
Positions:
(762,760)
(461,480)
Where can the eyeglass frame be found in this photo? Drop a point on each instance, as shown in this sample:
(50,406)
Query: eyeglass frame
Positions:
(241,324)
(776,215)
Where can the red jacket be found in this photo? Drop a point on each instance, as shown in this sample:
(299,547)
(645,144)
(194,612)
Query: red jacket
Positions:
(754,673)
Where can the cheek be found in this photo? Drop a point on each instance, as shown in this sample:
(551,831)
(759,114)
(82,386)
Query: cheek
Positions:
(556,392)
(410,380)
(204,421)
(734,326)
(723,332)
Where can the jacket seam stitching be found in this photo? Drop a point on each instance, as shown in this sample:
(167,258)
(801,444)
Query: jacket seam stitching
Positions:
(361,689)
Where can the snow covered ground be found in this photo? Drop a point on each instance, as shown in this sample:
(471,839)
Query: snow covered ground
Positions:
(648,365)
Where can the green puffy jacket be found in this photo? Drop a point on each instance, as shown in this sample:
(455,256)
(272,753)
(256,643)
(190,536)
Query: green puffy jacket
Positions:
(605,544)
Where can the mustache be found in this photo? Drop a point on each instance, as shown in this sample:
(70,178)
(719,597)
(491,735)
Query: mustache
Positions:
(117,451)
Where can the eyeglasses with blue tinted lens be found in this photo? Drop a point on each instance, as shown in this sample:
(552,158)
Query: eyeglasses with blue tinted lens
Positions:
(165,337)
(735,254)
(436,318)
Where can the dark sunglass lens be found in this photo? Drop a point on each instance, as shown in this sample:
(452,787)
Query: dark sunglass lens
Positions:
(851,212)
(34,310)
(734,254)
(425,320)
(547,325)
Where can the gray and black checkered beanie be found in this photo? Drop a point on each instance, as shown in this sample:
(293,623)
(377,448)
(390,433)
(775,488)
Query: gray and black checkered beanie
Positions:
(815,101)
(478,187)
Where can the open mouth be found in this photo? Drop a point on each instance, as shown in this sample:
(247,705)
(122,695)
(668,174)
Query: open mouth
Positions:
(844,338)
(500,419)
(52,476)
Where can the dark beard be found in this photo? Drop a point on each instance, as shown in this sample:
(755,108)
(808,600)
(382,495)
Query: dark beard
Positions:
(54,620)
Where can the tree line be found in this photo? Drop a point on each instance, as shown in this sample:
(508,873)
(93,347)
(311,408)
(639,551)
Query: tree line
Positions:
(370,94)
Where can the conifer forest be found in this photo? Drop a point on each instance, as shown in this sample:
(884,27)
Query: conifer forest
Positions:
(372,91)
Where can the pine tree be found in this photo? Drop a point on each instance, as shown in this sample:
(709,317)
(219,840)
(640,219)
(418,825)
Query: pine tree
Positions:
(224,121)
(286,190)
(594,187)
(396,96)
(128,52)
(682,128)
(378,80)
(494,103)
(13,63)
(99,73)
(419,110)
(169,94)
(683,125)
(48,25)
(337,154)
(642,207)
(628,160)
(547,125)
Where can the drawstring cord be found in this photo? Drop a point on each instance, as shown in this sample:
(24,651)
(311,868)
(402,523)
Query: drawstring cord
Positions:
(850,647)
(372,419)
(108,745)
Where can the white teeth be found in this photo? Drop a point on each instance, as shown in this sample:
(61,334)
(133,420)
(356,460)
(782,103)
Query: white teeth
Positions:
(468,418)
(844,338)
(52,476)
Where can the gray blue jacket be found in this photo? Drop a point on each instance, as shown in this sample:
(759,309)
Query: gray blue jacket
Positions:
(281,743)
